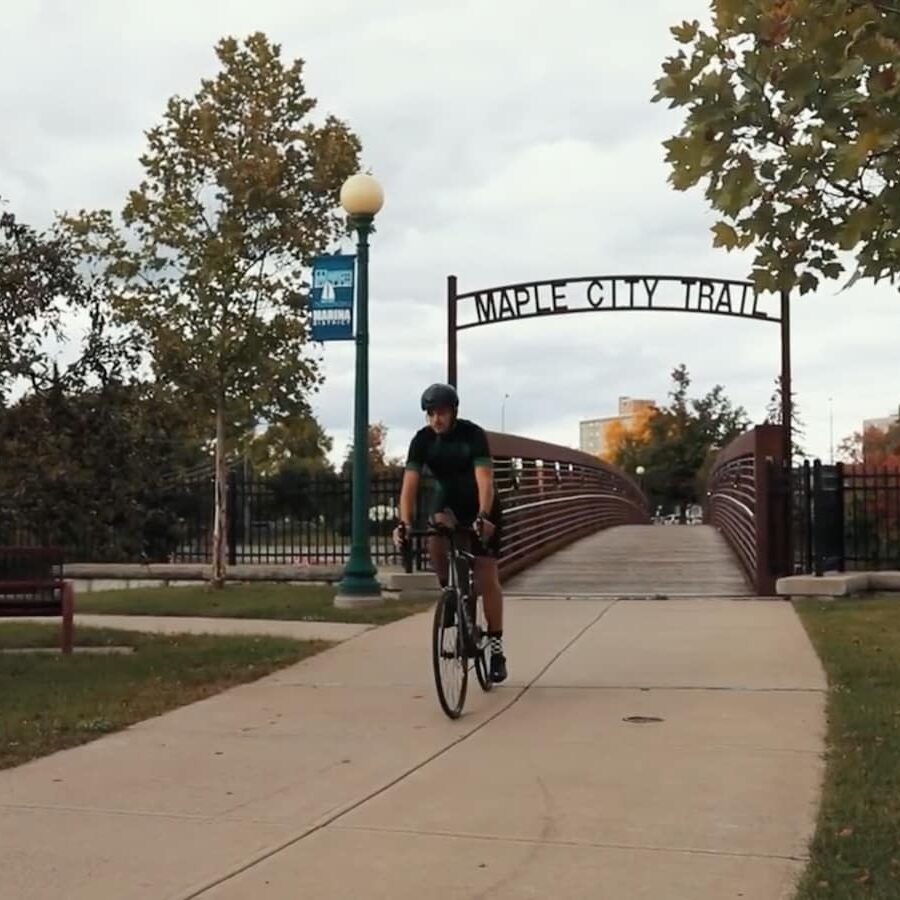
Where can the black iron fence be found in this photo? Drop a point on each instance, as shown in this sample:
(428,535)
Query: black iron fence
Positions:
(295,517)
(846,517)
(551,495)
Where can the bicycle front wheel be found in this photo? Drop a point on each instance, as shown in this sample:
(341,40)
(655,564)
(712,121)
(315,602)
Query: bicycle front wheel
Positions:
(482,648)
(451,668)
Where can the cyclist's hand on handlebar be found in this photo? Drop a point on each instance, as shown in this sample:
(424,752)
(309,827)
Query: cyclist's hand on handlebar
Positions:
(400,535)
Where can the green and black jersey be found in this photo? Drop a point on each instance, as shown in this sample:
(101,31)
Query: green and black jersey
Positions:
(452,458)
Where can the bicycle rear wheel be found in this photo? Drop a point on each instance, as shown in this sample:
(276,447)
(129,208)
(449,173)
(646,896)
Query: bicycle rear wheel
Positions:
(451,668)
(482,647)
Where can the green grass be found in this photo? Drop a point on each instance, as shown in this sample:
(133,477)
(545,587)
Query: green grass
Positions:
(49,702)
(856,850)
(304,602)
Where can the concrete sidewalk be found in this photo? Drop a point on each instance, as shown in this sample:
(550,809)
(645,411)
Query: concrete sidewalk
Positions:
(339,777)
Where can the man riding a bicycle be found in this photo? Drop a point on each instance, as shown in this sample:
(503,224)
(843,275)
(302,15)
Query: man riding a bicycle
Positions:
(456,453)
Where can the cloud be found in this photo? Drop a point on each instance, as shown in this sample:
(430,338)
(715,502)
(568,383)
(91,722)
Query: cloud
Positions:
(515,141)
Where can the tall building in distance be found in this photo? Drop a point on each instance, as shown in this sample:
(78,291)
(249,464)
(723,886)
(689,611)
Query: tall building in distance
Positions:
(592,437)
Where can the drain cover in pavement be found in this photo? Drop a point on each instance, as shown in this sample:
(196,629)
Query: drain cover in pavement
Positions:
(642,720)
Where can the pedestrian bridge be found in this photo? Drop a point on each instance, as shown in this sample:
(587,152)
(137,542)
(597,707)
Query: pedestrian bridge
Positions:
(651,561)
(575,526)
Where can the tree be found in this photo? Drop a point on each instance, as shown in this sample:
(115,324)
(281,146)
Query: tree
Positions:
(850,449)
(39,282)
(92,468)
(773,416)
(793,124)
(379,462)
(874,447)
(240,190)
(623,440)
(296,443)
(680,439)
(689,434)
(883,447)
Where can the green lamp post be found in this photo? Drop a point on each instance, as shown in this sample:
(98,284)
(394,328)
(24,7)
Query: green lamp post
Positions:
(361,198)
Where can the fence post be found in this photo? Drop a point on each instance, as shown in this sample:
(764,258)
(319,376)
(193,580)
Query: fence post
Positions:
(818,521)
(807,519)
(232,518)
(68,616)
(841,561)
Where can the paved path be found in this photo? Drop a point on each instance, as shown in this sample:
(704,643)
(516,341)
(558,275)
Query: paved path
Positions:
(339,777)
(640,560)
(301,631)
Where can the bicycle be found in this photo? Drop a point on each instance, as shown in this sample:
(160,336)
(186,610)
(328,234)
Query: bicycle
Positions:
(453,646)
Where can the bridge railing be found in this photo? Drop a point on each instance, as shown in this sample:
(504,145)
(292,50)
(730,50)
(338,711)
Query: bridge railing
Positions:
(553,495)
(744,501)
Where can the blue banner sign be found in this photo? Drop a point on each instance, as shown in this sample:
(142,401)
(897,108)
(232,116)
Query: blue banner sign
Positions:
(331,298)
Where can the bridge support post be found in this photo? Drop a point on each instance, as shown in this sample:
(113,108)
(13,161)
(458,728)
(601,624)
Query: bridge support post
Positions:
(451,331)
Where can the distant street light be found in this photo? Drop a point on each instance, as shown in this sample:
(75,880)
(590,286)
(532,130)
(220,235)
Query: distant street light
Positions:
(831,430)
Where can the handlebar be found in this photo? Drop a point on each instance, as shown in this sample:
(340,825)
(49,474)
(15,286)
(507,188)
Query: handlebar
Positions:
(436,530)
(433,530)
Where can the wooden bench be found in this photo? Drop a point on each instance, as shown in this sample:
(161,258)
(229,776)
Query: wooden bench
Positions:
(32,584)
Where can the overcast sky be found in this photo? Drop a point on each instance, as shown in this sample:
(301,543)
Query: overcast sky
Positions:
(515,140)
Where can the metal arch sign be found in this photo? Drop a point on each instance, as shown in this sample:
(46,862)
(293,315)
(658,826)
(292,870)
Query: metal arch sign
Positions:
(622,293)
(608,293)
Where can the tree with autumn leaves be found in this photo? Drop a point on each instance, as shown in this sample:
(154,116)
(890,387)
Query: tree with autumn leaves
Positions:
(792,126)
(792,129)
(676,443)
(197,295)
(623,440)
(874,447)
(379,461)
(240,191)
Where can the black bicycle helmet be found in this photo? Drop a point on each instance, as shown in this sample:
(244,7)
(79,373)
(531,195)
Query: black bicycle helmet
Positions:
(440,395)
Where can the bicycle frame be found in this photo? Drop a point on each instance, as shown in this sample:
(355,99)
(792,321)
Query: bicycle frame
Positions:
(469,641)
(451,534)
(464,587)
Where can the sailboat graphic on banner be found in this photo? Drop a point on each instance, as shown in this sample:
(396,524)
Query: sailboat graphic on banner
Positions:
(331,297)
